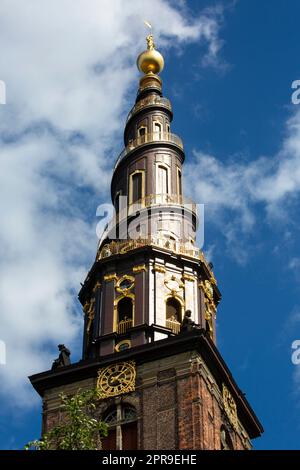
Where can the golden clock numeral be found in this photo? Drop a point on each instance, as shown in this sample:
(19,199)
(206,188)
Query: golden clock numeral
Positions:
(117,378)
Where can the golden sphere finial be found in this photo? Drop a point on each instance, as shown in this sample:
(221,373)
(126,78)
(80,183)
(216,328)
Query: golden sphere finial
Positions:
(150,61)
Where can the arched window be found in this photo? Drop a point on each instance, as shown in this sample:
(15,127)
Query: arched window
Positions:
(157,130)
(110,418)
(122,428)
(142,134)
(162,181)
(124,315)
(179,183)
(136,186)
(225,440)
(173,314)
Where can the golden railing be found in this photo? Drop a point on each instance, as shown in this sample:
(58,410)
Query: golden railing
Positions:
(121,247)
(149,101)
(173,324)
(148,138)
(124,325)
(160,199)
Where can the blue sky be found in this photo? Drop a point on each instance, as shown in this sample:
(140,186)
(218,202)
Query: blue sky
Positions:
(61,129)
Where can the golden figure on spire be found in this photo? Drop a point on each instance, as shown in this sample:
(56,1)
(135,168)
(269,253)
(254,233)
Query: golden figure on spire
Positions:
(150,61)
(150,42)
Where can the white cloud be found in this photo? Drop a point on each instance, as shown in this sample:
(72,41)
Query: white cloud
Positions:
(68,67)
(294,266)
(294,263)
(232,191)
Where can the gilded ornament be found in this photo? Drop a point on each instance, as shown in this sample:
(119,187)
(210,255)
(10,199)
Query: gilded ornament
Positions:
(150,61)
(213,280)
(159,269)
(140,268)
(210,306)
(150,42)
(125,284)
(110,277)
(117,379)
(187,277)
(230,406)
(123,345)
(89,310)
(96,286)
(174,284)
(207,288)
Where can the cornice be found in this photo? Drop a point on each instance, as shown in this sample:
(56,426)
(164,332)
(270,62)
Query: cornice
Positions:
(196,340)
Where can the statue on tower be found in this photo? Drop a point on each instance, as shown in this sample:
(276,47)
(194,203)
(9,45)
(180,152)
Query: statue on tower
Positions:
(150,61)
(63,358)
(187,324)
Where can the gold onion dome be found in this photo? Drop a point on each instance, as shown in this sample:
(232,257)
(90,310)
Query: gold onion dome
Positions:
(150,61)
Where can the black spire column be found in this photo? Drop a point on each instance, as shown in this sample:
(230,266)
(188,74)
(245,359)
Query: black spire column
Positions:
(147,264)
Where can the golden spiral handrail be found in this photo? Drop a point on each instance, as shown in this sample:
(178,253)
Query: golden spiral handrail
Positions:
(152,100)
(149,138)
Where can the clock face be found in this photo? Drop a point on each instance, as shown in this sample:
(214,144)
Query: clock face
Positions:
(117,379)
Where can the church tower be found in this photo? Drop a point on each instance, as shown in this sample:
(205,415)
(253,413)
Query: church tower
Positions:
(150,302)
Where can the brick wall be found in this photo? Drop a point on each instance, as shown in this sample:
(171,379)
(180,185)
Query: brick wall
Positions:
(178,402)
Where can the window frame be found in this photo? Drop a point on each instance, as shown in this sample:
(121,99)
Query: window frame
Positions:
(139,136)
(120,422)
(130,192)
(179,181)
(168,179)
(160,133)
(180,303)
(116,317)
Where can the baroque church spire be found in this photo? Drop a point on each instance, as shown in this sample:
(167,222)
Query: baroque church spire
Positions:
(154,224)
(150,303)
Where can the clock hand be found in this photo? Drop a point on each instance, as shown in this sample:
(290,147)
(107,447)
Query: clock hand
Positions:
(115,378)
(124,380)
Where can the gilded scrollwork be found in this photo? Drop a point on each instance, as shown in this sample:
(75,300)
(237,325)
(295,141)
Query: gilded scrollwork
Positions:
(159,269)
(96,286)
(140,268)
(125,284)
(89,310)
(230,406)
(210,305)
(110,277)
(188,277)
(174,284)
